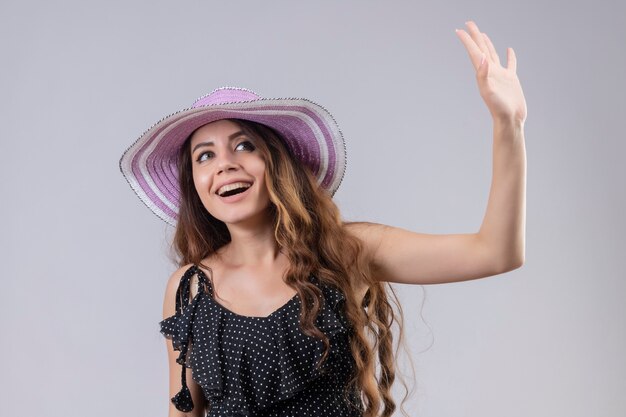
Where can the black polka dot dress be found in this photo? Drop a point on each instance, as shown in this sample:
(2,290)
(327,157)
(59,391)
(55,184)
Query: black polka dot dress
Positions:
(261,366)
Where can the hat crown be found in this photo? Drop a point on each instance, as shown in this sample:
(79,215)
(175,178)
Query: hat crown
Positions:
(225,95)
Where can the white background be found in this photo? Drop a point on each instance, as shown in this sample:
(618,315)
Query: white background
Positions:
(84,262)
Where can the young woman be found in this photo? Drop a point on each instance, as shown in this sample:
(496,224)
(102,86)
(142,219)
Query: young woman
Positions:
(279,307)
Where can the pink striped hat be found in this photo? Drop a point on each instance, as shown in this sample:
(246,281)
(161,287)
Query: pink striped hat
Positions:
(311,134)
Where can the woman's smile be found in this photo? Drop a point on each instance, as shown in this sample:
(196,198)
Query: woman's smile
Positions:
(228,168)
(233,198)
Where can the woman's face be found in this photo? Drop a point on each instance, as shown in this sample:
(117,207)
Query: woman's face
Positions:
(221,153)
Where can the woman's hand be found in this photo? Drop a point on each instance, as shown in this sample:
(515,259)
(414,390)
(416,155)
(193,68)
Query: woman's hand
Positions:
(499,86)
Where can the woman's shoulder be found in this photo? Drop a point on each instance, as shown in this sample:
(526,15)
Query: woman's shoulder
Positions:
(169,301)
(369,235)
(176,276)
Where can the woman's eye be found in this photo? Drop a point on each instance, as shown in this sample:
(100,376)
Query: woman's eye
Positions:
(247,143)
(209,154)
(201,156)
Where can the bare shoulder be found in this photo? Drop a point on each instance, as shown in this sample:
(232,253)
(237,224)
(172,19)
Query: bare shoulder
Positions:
(169,301)
(370,235)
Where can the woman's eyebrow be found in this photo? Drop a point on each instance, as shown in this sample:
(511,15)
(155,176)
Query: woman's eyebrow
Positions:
(210,143)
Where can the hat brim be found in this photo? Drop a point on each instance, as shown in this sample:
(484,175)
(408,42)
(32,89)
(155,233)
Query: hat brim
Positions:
(311,133)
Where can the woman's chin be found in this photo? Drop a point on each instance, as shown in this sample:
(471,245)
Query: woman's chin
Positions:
(242,217)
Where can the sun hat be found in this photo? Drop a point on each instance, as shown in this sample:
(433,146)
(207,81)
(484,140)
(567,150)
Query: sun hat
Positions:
(310,132)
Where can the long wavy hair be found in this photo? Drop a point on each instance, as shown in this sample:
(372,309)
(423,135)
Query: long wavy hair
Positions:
(310,232)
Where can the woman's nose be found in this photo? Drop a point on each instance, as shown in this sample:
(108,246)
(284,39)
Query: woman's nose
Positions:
(226,162)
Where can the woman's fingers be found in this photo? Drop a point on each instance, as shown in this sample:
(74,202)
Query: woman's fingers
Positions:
(478,43)
(492,50)
(511,59)
(477,37)
(473,50)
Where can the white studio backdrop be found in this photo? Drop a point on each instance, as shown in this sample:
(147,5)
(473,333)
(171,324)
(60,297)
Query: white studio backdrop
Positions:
(84,262)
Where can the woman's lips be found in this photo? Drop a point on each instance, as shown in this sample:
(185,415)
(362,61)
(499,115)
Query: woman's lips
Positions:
(235,197)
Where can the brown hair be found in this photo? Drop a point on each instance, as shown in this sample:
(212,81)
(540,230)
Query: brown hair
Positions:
(309,230)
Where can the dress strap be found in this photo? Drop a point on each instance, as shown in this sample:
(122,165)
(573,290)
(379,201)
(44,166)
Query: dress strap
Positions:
(182,293)
(182,400)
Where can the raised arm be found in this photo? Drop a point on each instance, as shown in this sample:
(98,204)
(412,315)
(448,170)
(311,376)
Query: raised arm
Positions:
(403,256)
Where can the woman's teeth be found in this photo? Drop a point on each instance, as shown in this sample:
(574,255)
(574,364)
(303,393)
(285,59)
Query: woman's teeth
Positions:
(230,187)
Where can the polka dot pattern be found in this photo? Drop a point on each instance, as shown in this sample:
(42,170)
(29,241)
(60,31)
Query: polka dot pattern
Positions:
(261,366)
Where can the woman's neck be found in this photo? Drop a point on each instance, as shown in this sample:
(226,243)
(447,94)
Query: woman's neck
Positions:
(251,246)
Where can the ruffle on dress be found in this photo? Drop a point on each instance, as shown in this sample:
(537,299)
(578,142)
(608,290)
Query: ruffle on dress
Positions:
(179,328)
(199,329)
